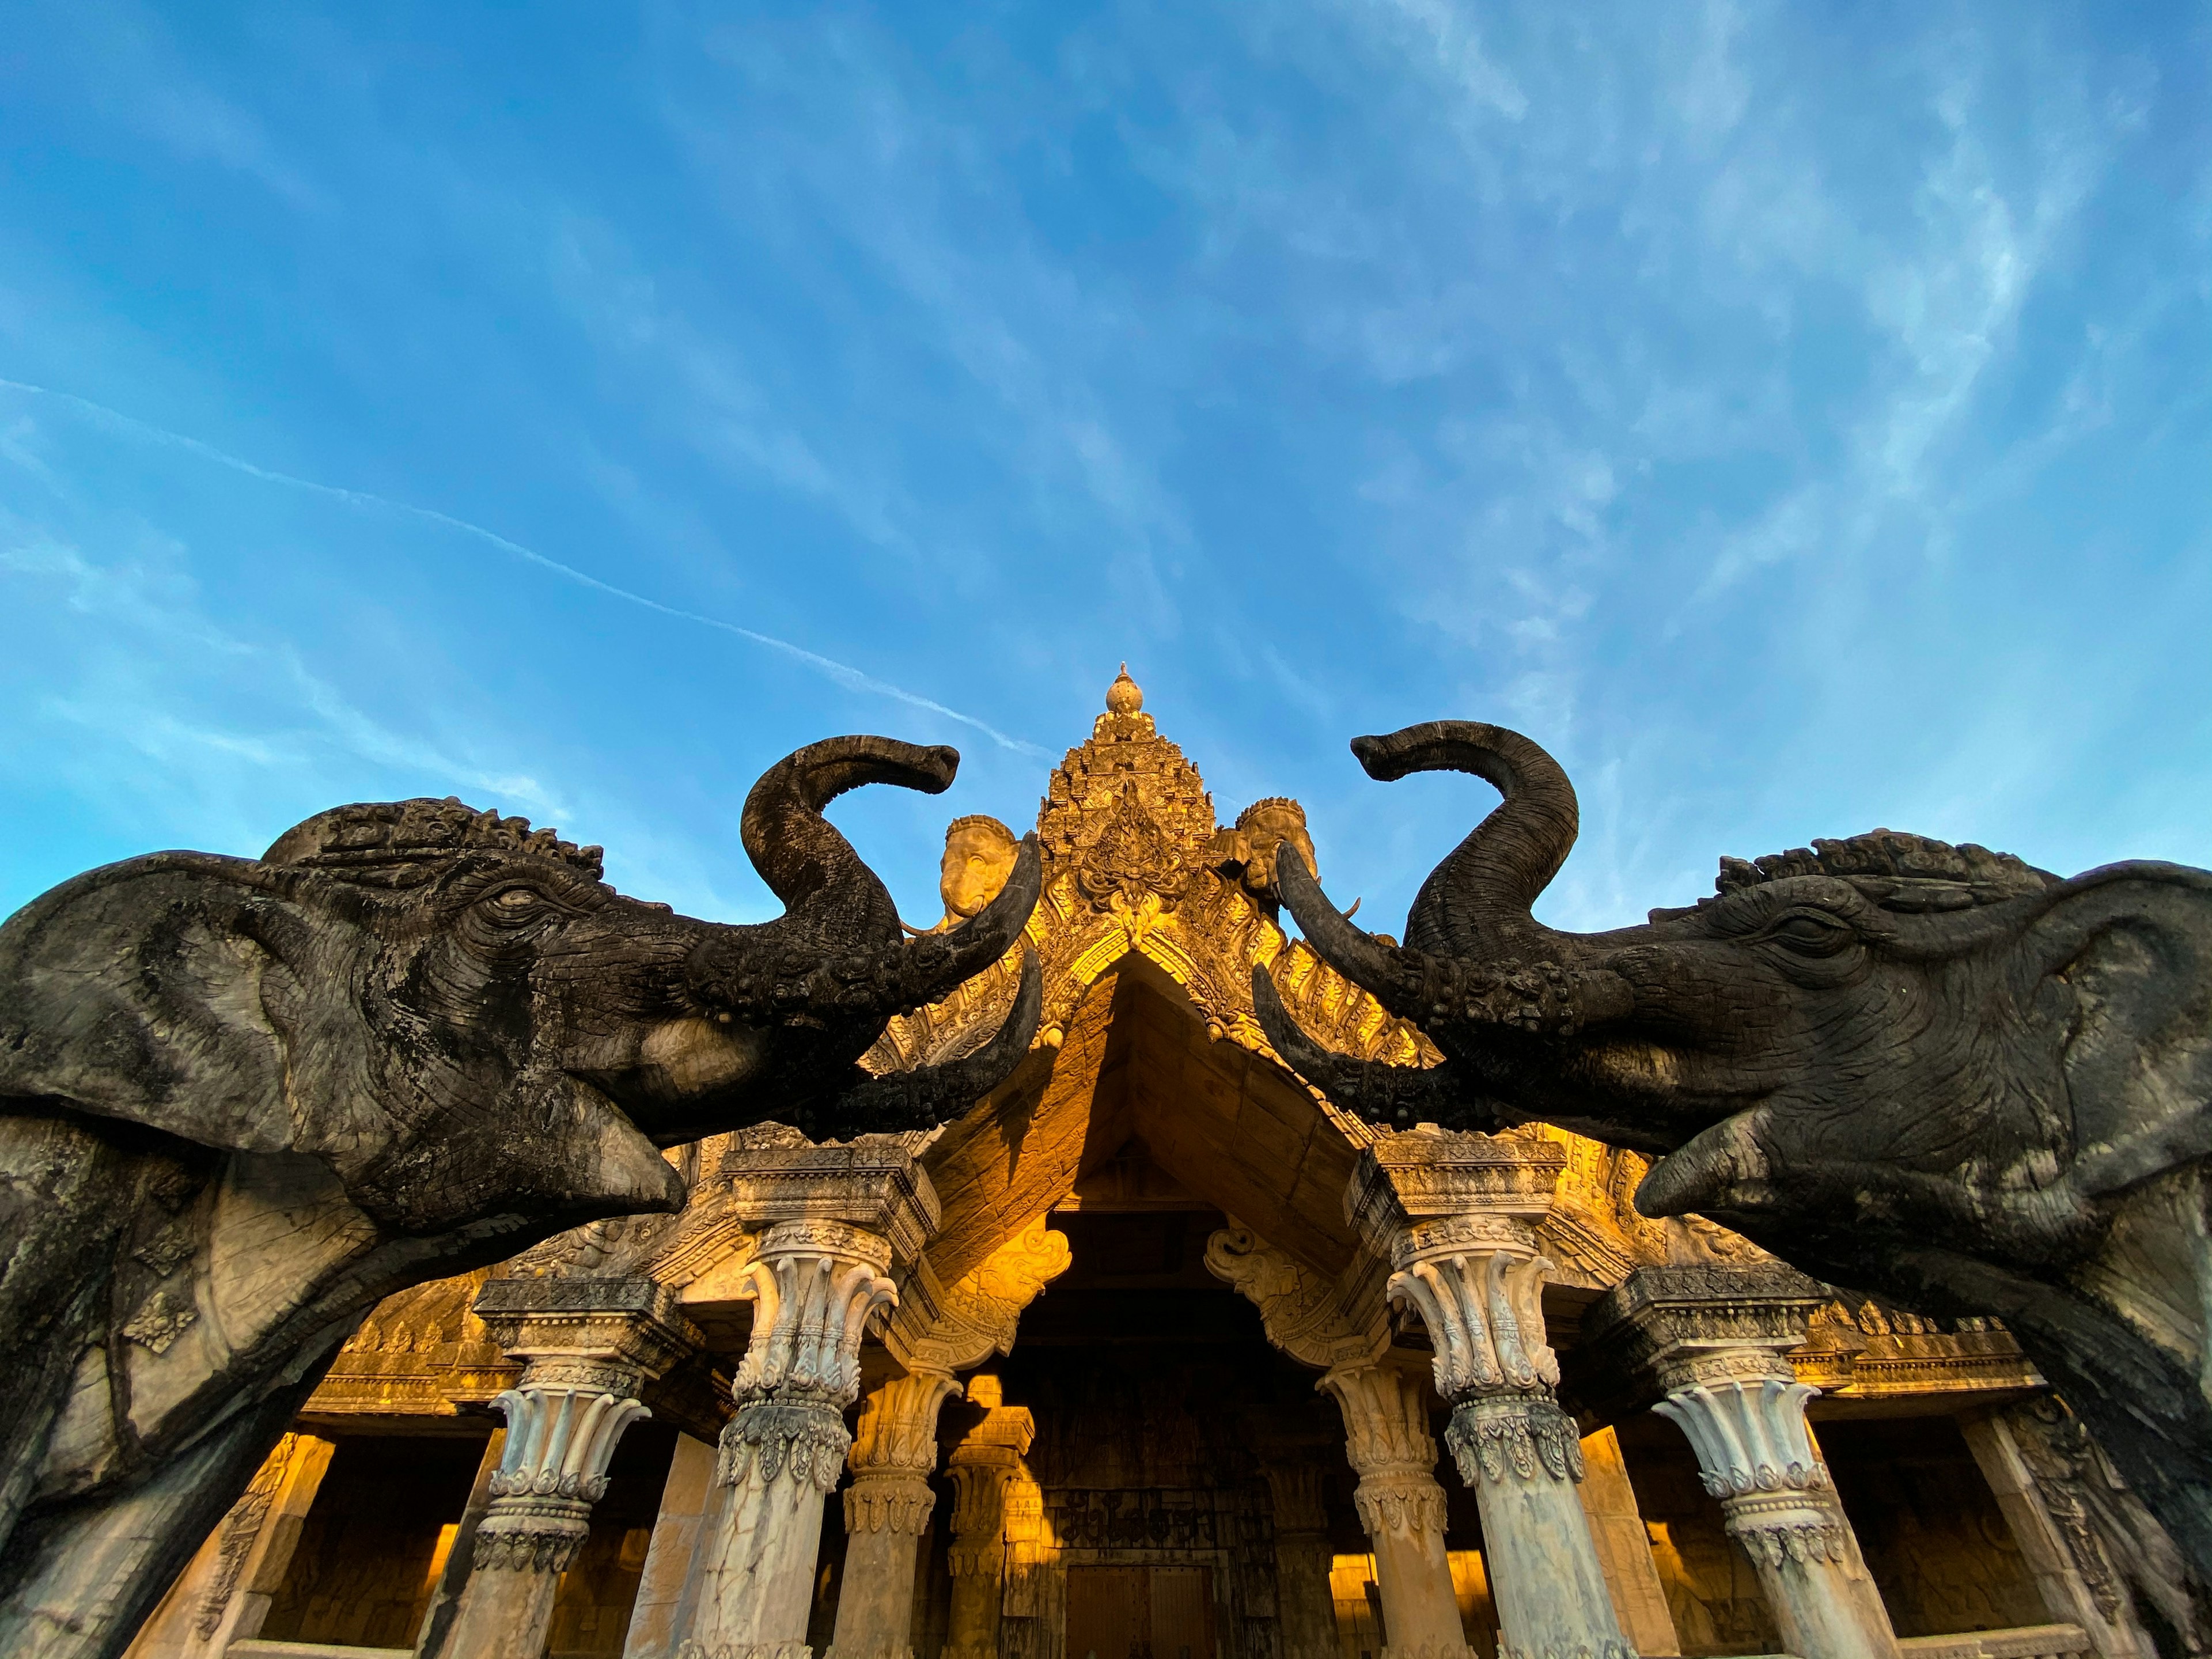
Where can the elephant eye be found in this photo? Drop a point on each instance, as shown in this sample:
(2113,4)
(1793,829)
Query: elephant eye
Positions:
(1811,932)
(516,903)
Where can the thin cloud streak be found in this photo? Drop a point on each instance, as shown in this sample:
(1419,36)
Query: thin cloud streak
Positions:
(850,679)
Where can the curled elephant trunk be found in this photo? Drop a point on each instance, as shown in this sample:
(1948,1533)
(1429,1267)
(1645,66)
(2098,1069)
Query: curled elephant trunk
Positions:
(1477,902)
(1473,954)
(802,856)
(838,955)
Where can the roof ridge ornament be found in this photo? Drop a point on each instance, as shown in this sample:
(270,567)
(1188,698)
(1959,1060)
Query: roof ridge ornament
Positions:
(1124,696)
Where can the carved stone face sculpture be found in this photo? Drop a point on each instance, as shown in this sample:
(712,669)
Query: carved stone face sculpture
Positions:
(1264,827)
(1925,1070)
(241,1100)
(978,857)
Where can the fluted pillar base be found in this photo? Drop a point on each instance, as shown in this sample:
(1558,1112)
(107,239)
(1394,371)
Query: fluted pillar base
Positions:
(754,1575)
(1825,1603)
(1522,1455)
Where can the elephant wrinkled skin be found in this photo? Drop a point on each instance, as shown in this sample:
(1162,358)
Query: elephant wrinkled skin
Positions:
(241,1101)
(1925,1071)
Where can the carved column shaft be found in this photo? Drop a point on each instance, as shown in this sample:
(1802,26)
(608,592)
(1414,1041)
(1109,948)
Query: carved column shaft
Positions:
(814,1285)
(1456,1215)
(1387,1439)
(887,1508)
(587,1345)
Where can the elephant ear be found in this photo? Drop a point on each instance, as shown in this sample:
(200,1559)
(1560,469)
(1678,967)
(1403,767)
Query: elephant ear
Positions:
(2126,952)
(157,992)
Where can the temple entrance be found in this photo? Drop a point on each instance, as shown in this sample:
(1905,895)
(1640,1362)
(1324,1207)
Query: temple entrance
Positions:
(1140,1613)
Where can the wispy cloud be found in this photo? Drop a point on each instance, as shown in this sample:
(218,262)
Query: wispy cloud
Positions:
(843,674)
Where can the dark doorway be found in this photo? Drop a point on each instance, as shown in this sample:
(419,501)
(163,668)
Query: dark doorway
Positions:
(1139,1613)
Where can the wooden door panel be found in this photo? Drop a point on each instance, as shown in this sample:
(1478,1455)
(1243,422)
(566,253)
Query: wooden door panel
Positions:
(1183,1613)
(1110,1614)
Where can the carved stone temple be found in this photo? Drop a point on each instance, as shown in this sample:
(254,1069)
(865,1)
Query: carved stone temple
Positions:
(1153,1355)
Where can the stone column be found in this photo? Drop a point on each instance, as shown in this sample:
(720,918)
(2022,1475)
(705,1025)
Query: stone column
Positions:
(987,1459)
(1456,1215)
(225,1594)
(588,1345)
(887,1506)
(1304,1603)
(834,1220)
(1713,1340)
(816,1284)
(1386,1436)
(1343,1326)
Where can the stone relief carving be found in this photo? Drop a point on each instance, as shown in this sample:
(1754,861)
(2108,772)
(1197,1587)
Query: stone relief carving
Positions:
(957,1327)
(1315,1321)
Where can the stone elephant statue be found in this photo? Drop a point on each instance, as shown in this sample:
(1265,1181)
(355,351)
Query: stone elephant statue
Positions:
(1925,1071)
(243,1100)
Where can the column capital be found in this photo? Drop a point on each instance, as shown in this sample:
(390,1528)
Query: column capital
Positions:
(588,1333)
(1662,1329)
(1456,1216)
(874,1183)
(1386,1419)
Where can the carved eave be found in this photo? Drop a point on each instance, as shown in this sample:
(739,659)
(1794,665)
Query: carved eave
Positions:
(955,1327)
(1871,1354)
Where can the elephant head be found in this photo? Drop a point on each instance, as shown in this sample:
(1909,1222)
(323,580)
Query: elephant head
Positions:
(241,1100)
(1927,1070)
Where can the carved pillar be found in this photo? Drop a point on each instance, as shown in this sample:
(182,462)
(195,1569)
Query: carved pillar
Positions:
(1386,1430)
(837,1216)
(1342,1324)
(1303,1603)
(887,1506)
(1454,1215)
(986,1462)
(226,1592)
(1713,1340)
(588,1345)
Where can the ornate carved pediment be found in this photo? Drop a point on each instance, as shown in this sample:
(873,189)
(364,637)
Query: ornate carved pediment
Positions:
(1133,865)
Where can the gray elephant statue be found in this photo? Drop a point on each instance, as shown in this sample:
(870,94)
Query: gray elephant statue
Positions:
(1928,1072)
(242,1101)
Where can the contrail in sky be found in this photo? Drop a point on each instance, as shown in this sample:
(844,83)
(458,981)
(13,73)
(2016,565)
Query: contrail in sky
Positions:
(851,678)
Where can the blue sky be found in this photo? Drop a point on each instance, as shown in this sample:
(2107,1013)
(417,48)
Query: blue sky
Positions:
(1797,417)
